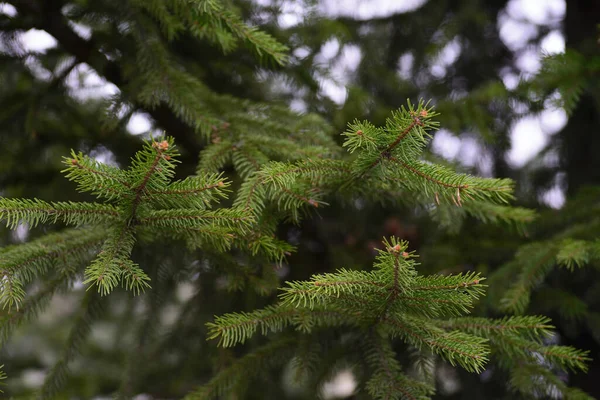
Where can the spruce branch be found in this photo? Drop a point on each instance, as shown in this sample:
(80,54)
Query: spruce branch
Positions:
(469,281)
(146,200)
(113,263)
(34,212)
(387,160)
(537,381)
(97,178)
(223,23)
(151,170)
(535,260)
(21,264)
(575,253)
(562,357)
(387,380)
(321,288)
(270,355)
(382,297)
(469,351)
(197,191)
(236,220)
(530,326)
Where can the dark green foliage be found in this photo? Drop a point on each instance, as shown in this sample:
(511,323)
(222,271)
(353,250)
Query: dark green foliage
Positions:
(182,247)
(136,193)
(392,301)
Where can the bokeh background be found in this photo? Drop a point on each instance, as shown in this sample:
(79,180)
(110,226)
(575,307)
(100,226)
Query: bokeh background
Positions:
(506,111)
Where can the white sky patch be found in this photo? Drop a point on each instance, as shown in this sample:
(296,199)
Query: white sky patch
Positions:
(85,83)
(298,105)
(514,33)
(334,90)
(537,11)
(446,144)
(33,378)
(510,80)
(37,69)
(82,30)
(329,50)
(8,9)
(21,234)
(104,155)
(342,62)
(301,52)
(527,139)
(446,57)
(466,150)
(529,61)
(555,196)
(517,25)
(351,55)
(553,43)
(366,9)
(38,41)
(405,65)
(139,123)
(553,120)
(470,151)
(292,14)
(520,22)
(341,386)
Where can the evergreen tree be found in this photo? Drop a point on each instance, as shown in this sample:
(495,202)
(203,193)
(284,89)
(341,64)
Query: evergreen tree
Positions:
(394,301)
(394,326)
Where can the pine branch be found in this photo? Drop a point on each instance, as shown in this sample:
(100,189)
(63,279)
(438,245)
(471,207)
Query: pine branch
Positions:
(21,264)
(270,355)
(113,264)
(321,288)
(34,212)
(236,328)
(233,219)
(538,381)
(536,261)
(151,170)
(367,299)
(193,192)
(97,178)
(469,351)
(387,380)
(533,327)
(260,42)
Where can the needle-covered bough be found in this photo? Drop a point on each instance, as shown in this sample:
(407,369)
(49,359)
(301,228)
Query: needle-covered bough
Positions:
(367,319)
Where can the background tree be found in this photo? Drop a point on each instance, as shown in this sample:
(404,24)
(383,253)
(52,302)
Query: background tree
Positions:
(136,47)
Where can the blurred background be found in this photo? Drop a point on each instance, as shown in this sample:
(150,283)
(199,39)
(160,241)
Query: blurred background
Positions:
(517,86)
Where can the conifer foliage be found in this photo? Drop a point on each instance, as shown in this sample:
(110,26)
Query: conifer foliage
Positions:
(390,325)
(424,312)
(375,307)
(143,198)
